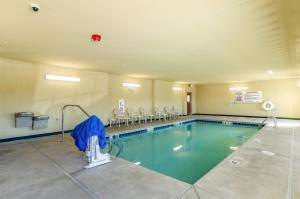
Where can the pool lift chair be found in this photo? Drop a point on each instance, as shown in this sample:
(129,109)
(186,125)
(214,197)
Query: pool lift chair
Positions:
(92,154)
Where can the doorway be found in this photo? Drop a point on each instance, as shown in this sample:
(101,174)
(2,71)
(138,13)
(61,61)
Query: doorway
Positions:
(189,103)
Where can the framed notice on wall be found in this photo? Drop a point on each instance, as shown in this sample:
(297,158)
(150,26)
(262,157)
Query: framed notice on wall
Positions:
(248,97)
(121,105)
(239,97)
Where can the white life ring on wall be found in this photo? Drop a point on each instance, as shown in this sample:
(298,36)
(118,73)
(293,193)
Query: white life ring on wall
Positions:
(268,106)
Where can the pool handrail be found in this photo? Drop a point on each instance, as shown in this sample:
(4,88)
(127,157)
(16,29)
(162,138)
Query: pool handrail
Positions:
(63,116)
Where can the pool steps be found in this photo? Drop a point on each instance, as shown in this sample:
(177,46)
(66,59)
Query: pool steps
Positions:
(180,123)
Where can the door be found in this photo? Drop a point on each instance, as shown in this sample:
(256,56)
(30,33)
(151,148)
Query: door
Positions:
(189,103)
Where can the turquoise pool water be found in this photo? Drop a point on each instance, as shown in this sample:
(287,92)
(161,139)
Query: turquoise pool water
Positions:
(184,152)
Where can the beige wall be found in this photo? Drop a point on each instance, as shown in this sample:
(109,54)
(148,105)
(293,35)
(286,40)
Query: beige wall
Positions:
(216,98)
(23,88)
(164,95)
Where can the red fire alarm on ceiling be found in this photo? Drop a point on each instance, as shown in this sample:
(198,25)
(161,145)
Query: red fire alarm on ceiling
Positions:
(96,37)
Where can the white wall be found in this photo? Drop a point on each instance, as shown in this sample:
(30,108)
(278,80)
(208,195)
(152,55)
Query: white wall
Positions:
(164,95)
(217,98)
(23,87)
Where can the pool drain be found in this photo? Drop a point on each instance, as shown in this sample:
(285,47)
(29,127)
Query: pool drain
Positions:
(235,162)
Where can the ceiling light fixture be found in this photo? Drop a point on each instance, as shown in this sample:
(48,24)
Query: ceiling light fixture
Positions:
(131,85)
(177,89)
(238,88)
(270,72)
(62,78)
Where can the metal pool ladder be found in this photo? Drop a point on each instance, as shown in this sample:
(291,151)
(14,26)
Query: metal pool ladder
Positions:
(63,117)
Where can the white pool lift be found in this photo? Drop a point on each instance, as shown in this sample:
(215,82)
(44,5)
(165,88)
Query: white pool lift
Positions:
(92,153)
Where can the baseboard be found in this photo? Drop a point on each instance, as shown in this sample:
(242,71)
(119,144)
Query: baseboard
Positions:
(251,116)
(31,136)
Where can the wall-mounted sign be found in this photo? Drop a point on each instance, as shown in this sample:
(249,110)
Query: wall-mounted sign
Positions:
(121,105)
(239,97)
(248,97)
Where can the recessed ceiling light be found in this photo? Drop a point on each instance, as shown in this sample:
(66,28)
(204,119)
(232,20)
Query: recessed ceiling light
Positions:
(270,72)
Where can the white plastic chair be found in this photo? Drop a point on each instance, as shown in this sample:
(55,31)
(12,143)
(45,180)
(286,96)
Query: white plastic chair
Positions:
(133,116)
(146,115)
(121,117)
(168,112)
(158,114)
(175,112)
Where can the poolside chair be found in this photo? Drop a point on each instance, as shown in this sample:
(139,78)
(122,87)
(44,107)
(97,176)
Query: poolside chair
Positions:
(149,115)
(112,121)
(133,116)
(146,115)
(142,113)
(158,114)
(175,112)
(168,112)
(121,117)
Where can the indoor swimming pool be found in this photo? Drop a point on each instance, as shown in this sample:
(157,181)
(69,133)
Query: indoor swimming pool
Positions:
(185,152)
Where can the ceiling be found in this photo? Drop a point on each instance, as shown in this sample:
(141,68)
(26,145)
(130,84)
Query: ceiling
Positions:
(197,41)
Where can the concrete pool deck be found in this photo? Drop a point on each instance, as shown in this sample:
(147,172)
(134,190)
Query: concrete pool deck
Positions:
(48,168)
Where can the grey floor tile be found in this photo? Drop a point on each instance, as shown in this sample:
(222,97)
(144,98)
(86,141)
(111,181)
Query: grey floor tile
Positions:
(190,194)
(277,141)
(257,176)
(206,195)
(296,179)
(21,166)
(121,179)
(63,153)
(296,166)
(59,188)
(297,143)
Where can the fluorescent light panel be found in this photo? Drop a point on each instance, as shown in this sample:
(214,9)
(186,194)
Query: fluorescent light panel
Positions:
(131,85)
(62,78)
(270,72)
(177,89)
(238,88)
